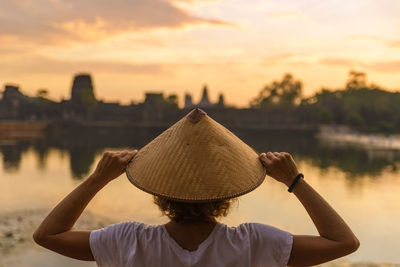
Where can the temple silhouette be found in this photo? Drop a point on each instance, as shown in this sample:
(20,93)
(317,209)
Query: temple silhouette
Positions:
(83,109)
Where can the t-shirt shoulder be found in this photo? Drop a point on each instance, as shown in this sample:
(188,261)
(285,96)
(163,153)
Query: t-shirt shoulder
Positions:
(109,244)
(123,243)
(268,242)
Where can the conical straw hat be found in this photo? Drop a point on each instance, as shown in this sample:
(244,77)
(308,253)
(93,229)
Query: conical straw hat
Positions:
(196,160)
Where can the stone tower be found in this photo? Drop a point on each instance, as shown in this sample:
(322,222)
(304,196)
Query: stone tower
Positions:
(221,100)
(13,102)
(82,90)
(204,102)
(12,92)
(188,101)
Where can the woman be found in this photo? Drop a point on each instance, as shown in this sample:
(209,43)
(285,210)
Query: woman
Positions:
(193,237)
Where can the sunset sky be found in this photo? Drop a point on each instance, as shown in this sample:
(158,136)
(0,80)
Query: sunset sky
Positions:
(233,46)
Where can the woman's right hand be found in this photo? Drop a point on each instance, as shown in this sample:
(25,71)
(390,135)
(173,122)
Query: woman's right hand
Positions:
(113,164)
(336,238)
(280,166)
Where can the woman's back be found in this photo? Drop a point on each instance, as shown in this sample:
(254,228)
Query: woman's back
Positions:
(137,244)
(197,184)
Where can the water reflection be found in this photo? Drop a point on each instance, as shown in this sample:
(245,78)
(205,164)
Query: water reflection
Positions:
(362,185)
(12,155)
(353,161)
(82,148)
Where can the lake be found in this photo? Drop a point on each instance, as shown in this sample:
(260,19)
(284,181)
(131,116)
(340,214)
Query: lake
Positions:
(363,185)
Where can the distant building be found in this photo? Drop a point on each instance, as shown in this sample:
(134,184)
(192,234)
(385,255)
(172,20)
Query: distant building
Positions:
(13,103)
(156,108)
(153,99)
(204,101)
(157,111)
(12,92)
(188,101)
(82,90)
(221,101)
(81,105)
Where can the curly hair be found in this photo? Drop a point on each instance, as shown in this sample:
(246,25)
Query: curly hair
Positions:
(193,212)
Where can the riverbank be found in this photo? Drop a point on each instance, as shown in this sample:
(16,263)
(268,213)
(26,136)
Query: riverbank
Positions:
(347,136)
(14,129)
(18,249)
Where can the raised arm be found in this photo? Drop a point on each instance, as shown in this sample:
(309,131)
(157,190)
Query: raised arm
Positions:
(335,238)
(55,231)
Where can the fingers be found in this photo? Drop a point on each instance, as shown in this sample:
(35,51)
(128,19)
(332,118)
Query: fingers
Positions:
(124,156)
(266,162)
(280,166)
(129,156)
(270,157)
(282,155)
(264,159)
(288,158)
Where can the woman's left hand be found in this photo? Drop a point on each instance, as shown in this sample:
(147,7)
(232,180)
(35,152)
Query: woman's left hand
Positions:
(55,232)
(113,164)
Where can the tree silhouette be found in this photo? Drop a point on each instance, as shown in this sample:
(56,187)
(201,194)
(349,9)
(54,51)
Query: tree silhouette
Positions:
(357,80)
(284,93)
(363,106)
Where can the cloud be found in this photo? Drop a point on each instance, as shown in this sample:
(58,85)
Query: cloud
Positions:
(55,21)
(44,65)
(276,59)
(381,66)
(193,1)
(338,62)
(285,16)
(288,59)
(39,65)
(386,66)
(392,43)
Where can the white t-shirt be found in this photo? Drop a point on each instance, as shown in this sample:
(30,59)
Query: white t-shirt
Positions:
(138,244)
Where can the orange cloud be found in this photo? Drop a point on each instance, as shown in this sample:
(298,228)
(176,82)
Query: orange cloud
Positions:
(382,66)
(41,65)
(288,59)
(337,62)
(387,42)
(44,65)
(386,66)
(272,60)
(395,44)
(54,22)
(288,15)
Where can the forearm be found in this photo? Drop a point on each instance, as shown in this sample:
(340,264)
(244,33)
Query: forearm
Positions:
(335,240)
(327,221)
(63,217)
(55,231)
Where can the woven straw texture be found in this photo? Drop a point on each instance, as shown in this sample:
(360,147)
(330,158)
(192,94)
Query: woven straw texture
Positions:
(196,162)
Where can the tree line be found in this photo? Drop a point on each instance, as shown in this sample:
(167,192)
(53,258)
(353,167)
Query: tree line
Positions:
(361,105)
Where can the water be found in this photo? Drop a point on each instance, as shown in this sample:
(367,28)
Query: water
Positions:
(363,186)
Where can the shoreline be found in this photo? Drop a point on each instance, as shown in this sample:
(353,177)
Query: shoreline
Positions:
(346,136)
(16,229)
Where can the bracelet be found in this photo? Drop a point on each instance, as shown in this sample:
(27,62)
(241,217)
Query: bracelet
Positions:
(300,175)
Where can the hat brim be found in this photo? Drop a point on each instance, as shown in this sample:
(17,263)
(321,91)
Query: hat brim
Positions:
(196,200)
(198,161)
